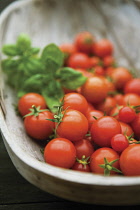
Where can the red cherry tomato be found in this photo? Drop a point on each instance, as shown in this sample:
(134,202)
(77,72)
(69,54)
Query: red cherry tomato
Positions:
(120,77)
(75,101)
(102,48)
(126,129)
(83,148)
(78,60)
(60,152)
(104,129)
(107,105)
(108,61)
(119,142)
(81,167)
(97,159)
(92,115)
(38,127)
(26,101)
(131,99)
(127,114)
(95,61)
(68,49)
(130,160)
(135,124)
(119,98)
(74,125)
(94,89)
(83,42)
(133,86)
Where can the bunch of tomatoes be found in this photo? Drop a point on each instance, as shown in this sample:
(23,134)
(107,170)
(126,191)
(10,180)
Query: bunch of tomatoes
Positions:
(96,128)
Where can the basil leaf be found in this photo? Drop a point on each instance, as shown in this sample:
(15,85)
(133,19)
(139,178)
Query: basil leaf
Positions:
(51,66)
(34,50)
(70,78)
(10,50)
(23,43)
(52,94)
(54,52)
(33,66)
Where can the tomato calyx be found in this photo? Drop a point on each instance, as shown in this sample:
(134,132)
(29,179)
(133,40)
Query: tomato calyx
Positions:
(34,111)
(84,160)
(108,167)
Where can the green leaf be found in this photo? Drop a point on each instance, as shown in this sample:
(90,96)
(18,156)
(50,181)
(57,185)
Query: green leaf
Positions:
(34,50)
(53,93)
(51,66)
(70,78)
(10,50)
(33,66)
(23,42)
(54,52)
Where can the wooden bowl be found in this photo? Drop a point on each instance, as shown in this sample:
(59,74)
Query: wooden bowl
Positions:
(58,22)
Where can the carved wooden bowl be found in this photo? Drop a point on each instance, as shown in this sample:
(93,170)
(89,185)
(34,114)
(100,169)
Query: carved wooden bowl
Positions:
(58,22)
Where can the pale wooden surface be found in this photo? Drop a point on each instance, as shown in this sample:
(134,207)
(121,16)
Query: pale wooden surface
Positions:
(115,20)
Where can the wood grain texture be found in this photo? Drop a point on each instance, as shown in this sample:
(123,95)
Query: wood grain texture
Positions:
(58,22)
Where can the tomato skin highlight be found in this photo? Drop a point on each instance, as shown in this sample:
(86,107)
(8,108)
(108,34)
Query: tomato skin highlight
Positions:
(75,101)
(94,89)
(130,160)
(103,130)
(26,101)
(74,125)
(60,152)
(38,127)
(97,158)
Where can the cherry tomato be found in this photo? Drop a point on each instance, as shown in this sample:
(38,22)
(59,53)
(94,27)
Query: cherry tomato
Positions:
(75,101)
(131,99)
(133,86)
(26,101)
(98,71)
(95,61)
(60,152)
(108,61)
(107,105)
(126,129)
(74,125)
(94,89)
(81,167)
(121,76)
(78,60)
(104,129)
(115,112)
(135,124)
(130,160)
(83,42)
(102,48)
(97,159)
(127,114)
(68,49)
(85,72)
(119,98)
(119,142)
(92,115)
(83,148)
(37,126)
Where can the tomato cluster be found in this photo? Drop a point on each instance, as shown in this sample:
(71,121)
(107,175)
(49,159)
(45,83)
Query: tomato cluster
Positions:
(97,126)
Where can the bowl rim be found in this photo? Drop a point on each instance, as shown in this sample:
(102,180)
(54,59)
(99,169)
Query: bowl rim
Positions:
(70,175)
